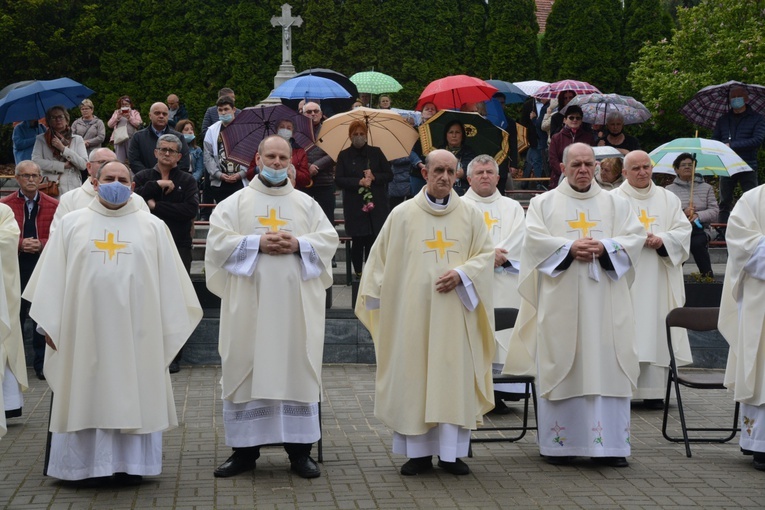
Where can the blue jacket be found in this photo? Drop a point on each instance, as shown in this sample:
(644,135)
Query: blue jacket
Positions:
(744,132)
(24,140)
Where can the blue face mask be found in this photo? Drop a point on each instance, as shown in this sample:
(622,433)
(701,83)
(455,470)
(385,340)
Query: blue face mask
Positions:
(273,176)
(189,138)
(114,193)
(737,102)
(226,118)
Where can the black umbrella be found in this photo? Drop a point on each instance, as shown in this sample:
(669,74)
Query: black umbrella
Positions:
(329,107)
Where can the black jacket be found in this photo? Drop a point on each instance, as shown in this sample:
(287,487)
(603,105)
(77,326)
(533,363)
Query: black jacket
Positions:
(177,208)
(141,153)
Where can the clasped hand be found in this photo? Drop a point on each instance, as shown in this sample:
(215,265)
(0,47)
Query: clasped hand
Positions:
(448,281)
(586,249)
(278,243)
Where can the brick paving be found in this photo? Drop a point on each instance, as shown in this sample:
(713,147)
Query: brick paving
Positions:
(359,470)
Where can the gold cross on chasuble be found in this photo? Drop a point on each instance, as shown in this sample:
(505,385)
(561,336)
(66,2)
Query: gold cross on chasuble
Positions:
(645,219)
(109,245)
(490,222)
(439,244)
(271,221)
(582,224)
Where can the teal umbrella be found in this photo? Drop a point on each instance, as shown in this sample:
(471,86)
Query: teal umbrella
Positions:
(372,82)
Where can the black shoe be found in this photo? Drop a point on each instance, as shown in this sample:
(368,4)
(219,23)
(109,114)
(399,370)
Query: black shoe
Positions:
(89,483)
(239,462)
(456,468)
(175,367)
(127,480)
(305,467)
(747,452)
(417,466)
(13,413)
(563,460)
(759,461)
(611,461)
(40,375)
(500,407)
(653,403)
(334,262)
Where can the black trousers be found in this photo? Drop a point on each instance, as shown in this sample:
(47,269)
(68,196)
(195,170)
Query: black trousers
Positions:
(747,180)
(26,267)
(325,196)
(360,247)
(700,251)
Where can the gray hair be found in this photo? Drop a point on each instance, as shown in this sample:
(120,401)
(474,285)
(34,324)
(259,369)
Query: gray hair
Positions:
(27,163)
(483,159)
(94,154)
(614,116)
(115,162)
(564,159)
(172,139)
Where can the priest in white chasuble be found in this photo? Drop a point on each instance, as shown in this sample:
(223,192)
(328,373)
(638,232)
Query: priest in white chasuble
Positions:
(576,328)
(116,305)
(269,258)
(13,368)
(504,218)
(658,286)
(426,297)
(741,318)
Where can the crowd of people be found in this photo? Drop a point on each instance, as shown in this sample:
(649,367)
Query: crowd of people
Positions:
(593,266)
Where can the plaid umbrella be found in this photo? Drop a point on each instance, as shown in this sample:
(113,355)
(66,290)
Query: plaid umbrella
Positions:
(373,82)
(712,157)
(596,108)
(552,90)
(530,87)
(711,102)
(242,137)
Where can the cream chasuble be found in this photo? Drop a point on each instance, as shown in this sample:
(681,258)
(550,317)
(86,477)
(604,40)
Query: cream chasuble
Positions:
(743,300)
(576,331)
(112,293)
(504,219)
(10,301)
(272,322)
(658,286)
(79,198)
(433,355)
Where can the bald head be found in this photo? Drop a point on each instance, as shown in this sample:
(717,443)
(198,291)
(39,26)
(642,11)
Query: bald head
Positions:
(158,115)
(114,171)
(173,102)
(97,158)
(440,173)
(638,169)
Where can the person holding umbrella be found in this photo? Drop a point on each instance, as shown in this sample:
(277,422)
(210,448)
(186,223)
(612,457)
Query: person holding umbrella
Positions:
(616,137)
(743,130)
(699,204)
(363,173)
(24,136)
(454,142)
(60,154)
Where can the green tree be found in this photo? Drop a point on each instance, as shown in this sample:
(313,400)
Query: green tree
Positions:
(472,50)
(512,40)
(644,21)
(717,41)
(319,42)
(583,41)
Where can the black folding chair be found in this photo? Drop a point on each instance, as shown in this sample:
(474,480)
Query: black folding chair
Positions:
(694,319)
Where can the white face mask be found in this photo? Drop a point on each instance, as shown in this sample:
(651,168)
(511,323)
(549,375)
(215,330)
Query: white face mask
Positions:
(125,108)
(285,133)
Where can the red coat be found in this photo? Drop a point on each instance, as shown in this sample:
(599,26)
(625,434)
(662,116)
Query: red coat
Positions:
(299,161)
(560,141)
(46,208)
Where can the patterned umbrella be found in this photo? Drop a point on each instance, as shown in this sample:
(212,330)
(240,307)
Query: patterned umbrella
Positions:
(482,136)
(552,90)
(454,91)
(530,87)
(242,137)
(711,102)
(373,82)
(712,157)
(596,108)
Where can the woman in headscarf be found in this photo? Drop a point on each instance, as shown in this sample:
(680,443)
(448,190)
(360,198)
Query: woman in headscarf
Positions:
(60,154)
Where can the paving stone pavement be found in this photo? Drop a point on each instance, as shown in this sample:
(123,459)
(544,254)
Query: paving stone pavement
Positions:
(359,470)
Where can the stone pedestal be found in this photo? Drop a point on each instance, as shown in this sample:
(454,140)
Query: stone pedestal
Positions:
(285,72)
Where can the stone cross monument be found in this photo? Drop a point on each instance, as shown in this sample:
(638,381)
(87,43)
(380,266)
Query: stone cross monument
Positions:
(286,22)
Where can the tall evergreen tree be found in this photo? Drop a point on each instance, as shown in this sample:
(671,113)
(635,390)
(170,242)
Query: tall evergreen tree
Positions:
(473,52)
(644,21)
(512,40)
(319,42)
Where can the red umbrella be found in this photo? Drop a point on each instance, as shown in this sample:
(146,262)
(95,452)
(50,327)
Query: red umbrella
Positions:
(453,91)
(552,90)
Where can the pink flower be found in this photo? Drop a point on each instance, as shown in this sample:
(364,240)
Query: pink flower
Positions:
(368,206)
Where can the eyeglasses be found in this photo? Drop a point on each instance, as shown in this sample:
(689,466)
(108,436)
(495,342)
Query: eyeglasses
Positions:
(311,112)
(29,177)
(57,117)
(167,151)
(574,117)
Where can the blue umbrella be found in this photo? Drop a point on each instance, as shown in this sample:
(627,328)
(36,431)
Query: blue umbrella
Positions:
(309,87)
(513,93)
(33,100)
